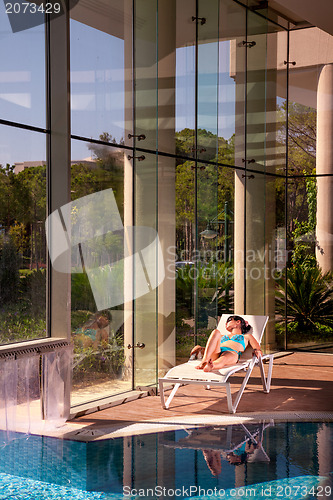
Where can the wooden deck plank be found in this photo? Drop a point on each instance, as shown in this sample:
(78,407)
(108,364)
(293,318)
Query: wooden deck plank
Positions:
(301,382)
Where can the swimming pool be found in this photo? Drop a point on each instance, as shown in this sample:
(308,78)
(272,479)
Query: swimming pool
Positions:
(257,460)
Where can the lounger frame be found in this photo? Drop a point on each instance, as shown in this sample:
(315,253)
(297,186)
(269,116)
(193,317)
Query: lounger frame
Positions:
(187,374)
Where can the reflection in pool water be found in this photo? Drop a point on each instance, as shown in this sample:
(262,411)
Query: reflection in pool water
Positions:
(262,460)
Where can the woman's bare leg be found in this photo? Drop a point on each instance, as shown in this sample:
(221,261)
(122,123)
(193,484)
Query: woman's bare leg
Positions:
(227,358)
(212,349)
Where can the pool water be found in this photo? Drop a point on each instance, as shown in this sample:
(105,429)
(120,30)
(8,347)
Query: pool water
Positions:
(258,460)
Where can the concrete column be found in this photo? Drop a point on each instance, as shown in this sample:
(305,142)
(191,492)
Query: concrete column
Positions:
(237,70)
(324,165)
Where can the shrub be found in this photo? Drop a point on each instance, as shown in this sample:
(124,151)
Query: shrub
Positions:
(9,272)
(82,296)
(309,298)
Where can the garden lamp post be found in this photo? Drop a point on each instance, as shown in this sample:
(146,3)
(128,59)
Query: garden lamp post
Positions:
(210,233)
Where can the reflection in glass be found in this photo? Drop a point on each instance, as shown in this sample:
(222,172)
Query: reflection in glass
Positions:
(145,182)
(97,187)
(309,227)
(22,237)
(97,72)
(22,74)
(145,306)
(185,79)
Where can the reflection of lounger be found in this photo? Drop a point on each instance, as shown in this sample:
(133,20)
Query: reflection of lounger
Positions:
(187,374)
(258,454)
(224,439)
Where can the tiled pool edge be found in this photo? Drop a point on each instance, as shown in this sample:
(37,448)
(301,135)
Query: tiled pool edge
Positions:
(88,433)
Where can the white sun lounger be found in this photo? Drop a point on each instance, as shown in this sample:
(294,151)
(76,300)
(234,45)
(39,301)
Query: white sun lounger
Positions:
(187,374)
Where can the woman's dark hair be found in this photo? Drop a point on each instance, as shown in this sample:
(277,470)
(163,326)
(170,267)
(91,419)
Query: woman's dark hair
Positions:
(245,327)
(242,458)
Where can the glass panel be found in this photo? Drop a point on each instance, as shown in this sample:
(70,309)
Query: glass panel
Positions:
(233,30)
(145,185)
(185,271)
(275,261)
(255,159)
(224,226)
(207,80)
(231,112)
(277,162)
(22,76)
(185,78)
(98,70)
(184,177)
(99,319)
(206,174)
(148,271)
(302,270)
(207,254)
(231,123)
(22,235)
(310,227)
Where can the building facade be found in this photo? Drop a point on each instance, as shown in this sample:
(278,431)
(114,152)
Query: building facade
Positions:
(203,133)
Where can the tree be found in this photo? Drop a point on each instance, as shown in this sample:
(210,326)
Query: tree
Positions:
(301,157)
(109,167)
(9,272)
(23,210)
(215,183)
(304,233)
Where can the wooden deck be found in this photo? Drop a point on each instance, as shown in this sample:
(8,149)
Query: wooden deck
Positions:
(302,382)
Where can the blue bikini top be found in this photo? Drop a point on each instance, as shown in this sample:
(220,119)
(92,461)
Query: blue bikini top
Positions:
(236,338)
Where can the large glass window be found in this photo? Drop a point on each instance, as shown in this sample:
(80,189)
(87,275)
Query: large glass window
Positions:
(98,272)
(97,73)
(22,74)
(23,256)
(307,290)
(200,144)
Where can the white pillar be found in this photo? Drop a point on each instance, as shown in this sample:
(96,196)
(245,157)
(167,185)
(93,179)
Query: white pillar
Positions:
(324,165)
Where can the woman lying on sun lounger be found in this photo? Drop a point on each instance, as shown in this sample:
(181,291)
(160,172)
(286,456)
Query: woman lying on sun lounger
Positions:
(225,350)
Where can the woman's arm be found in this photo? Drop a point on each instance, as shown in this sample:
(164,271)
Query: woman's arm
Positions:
(254,344)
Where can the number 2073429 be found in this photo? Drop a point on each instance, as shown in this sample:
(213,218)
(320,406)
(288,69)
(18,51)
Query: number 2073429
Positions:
(32,8)
(303,491)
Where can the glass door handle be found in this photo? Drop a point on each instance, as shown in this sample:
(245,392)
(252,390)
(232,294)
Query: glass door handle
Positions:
(140,345)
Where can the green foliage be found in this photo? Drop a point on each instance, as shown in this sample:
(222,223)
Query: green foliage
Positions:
(215,182)
(304,233)
(301,159)
(79,318)
(33,290)
(309,298)
(9,272)
(82,296)
(303,255)
(186,342)
(18,323)
(107,358)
